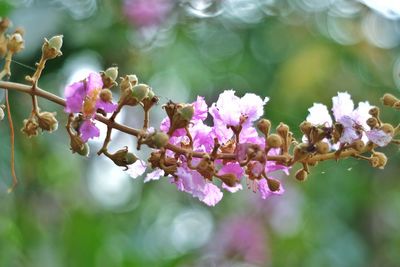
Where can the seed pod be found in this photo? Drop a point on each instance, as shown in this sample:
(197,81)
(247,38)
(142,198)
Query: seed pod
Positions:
(47,121)
(378,160)
(109,76)
(358,145)
(123,157)
(229,179)
(389,100)
(305,127)
(264,126)
(372,122)
(106,95)
(273,184)
(31,127)
(388,129)
(51,48)
(301,175)
(322,147)
(274,141)
(15,43)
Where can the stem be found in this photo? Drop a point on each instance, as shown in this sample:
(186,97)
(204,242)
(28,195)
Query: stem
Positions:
(12,136)
(107,140)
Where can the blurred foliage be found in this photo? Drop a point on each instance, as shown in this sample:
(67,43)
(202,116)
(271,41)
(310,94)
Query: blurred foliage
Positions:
(73,211)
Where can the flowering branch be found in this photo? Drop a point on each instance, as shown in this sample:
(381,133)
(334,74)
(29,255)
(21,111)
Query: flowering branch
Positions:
(192,154)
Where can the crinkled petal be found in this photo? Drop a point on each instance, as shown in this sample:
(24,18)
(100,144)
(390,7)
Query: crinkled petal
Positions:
(137,169)
(361,113)
(211,194)
(379,137)
(228,108)
(94,81)
(154,175)
(200,109)
(319,115)
(88,130)
(252,106)
(232,189)
(74,94)
(342,105)
(108,107)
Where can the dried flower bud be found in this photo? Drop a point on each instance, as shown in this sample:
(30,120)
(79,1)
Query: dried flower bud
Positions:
(16,43)
(322,147)
(374,112)
(282,130)
(51,48)
(301,175)
(78,146)
(389,100)
(106,95)
(31,127)
(300,152)
(264,126)
(273,184)
(372,122)
(47,121)
(274,141)
(358,145)
(122,157)
(206,168)
(388,129)
(378,160)
(109,76)
(229,179)
(305,127)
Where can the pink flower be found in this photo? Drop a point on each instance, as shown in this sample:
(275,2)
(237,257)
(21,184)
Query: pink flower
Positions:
(84,97)
(190,181)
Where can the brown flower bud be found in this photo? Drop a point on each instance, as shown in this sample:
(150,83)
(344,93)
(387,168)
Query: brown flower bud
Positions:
(397,105)
(372,122)
(300,152)
(264,126)
(106,95)
(31,127)
(273,184)
(374,112)
(51,48)
(47,121)
(15,43)
(282,130)
(229,179)
(274,141)
(206,168)
(387,128)
(305,127)
(123,157)
(378,160)
(109,76)
(301,175)
(358,145)
(78,146)
(389,100)
(322,147)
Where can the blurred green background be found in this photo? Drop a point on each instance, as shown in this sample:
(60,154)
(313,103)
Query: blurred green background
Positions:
(74,211)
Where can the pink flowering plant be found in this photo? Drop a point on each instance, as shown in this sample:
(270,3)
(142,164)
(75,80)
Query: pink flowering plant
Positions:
(239,149)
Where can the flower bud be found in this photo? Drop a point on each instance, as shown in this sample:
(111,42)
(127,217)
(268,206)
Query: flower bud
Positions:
(358,145)
(305,127)
(301,175)
(78,146)
(282,130)
(229,179)
(16,43)
(397,105)
(106,95)
(123,158)
(374,112)
(181,118)
(47,121)
(186,112)
(322,147)
(273,184)
(389,100)
(51,48)
(264,126)
(140,91)
(378,160)
(274,141)
(206,168)
(109,76)
(31,127)
(300,152)
(388,129)
(157,140)
(372,122)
